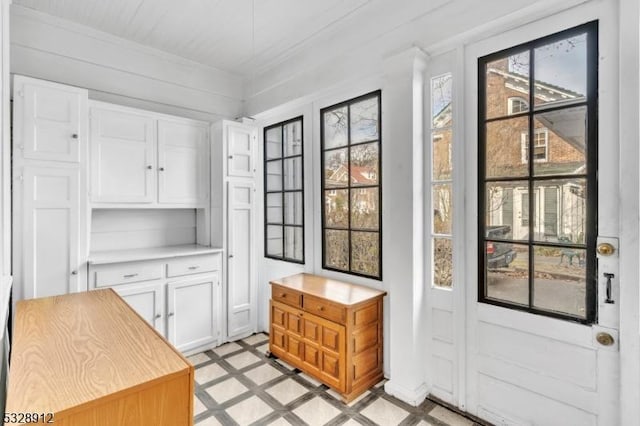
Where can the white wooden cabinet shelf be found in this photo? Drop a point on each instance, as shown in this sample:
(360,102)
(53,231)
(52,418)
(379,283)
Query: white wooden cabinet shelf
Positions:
(118,256)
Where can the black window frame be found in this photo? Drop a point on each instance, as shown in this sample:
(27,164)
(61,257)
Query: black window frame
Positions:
(591,161)
(282,190)
(375,94)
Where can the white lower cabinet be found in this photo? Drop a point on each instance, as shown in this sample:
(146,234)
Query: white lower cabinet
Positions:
(183,305)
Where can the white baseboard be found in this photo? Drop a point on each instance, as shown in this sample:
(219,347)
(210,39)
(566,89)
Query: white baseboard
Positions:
(413,397)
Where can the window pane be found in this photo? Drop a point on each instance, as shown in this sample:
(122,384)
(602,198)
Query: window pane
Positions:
(364,120)
(293,242)
(566,132)
(335,127)
(365,208)
(442,198)
(273,143)
(293,173)
(293,209)
(560,211)
(364,164)
(274,176)
(441,96)
(561,72)
(336,249)
(506,78)
(560,280)
(442,262)
(336,205)
(274,241)
(336,168)
(441,154)
(274,208)
(504,148)
(507,268)
(364,253)
(507,210)
(293,138)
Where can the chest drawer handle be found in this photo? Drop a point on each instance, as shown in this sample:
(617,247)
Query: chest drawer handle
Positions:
(191,268)
(321,308)
(283,295)
(130,275)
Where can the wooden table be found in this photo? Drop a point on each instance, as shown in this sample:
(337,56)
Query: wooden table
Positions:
(89,359)
(330,329)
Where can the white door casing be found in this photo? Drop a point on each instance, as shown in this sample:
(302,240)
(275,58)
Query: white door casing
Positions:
(147,299)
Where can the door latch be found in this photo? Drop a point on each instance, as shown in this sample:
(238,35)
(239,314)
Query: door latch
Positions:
(608,299)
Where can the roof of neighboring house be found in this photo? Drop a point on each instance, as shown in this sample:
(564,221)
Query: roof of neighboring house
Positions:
(359,175)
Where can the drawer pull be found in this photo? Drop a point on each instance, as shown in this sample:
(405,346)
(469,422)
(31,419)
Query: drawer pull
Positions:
(191,268)
(321,308)
(283,295)
(130,275)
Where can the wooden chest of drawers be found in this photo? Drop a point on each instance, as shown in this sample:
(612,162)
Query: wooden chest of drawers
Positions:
(329,329)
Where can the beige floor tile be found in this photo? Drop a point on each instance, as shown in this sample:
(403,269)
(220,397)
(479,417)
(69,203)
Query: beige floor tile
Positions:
(256,338)
(226,390)
(209,372)
(280,422)
(209,421)
(317,411)
(286,391)
(198,358)
(227,349)
(262,374)
(249,410)
(383,412)
(351,422)
(198,406)
(449,417)
(242,360)
(337,396)
(310,379)
(423,423)
(264,348)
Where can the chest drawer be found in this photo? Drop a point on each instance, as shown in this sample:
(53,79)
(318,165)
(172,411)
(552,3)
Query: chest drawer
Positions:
(193,265)
(124,273)
(324,309)
(284,295)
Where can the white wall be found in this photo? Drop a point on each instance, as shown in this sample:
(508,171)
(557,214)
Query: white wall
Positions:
(119,71)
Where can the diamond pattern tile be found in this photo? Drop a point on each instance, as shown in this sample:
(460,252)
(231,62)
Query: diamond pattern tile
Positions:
(236,384)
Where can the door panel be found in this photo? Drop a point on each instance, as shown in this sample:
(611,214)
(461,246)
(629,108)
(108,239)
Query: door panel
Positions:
(148,301)
(241,151)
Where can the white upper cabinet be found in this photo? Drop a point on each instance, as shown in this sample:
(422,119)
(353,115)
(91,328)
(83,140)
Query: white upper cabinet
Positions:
(51,120)
(182,163)
(140,157)
(123,157)
(241,150)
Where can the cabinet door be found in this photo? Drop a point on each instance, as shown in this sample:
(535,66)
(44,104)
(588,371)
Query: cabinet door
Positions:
(50,224)
(147,301)
(183,176)
(123,157)
(240,265)
(192,311)
(241,150)
(50,120)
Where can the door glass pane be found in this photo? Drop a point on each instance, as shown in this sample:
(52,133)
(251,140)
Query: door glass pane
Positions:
(293,242)
(560,280)
(336,168)
(336,208)
(364,164)
(274,175)
(442,199)
(273,145)
(336,249)
(506,78)
(293,208)
(293,138)
(505,148)
(364,253)
(441,95)
(274,208)
(335,127)
(293,173)
(274,241)
(565,132)
(561,72)
(442,262)
(365,211)
(507,210)
(441,154)
(560,211)
(507,267)
(364,120)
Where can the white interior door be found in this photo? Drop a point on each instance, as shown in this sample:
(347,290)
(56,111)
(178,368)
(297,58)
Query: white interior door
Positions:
(241,285)
(147,300)
(182,163)
(123,156)
(50,240)
(50,118)
(241,150)
(538,327)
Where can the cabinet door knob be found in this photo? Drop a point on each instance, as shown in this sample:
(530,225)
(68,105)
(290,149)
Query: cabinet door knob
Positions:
(230,256)
(170,314)
(231,157)
(321,308)
(149,167)
(74,272)
(158,316)
(74,136)
(161,169)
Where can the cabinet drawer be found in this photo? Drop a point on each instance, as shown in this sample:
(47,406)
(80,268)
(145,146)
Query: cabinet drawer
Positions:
(284,295)
(123,274)
(193,265)
(324,308)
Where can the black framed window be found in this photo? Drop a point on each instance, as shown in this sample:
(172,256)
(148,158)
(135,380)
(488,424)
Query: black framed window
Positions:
(351,195)
(284,191)
(537,213)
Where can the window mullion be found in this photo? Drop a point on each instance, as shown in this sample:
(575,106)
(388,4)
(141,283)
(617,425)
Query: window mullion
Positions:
(530,158)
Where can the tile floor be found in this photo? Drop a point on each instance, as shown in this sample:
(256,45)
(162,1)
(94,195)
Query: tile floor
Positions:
(236,384)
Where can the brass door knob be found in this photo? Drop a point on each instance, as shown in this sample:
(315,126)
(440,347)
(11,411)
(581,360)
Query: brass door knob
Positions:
(605,249)
(605,339)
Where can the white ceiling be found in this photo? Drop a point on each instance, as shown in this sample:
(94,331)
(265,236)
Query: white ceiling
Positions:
(239,36)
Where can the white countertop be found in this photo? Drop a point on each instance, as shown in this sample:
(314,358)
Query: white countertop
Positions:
(132,255)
